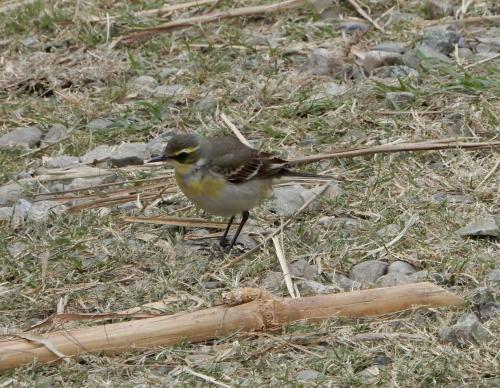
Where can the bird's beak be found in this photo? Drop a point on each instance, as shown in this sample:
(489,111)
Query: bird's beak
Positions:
(161,158)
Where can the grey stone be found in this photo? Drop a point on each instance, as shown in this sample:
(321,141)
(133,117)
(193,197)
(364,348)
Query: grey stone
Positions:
(98,154)
(10,193)
(61,161)
(486,226)
(307,375)
(436,277)
(143,85)
(273,281)
(490,36)
(329,89)
(494,276)
(30,41)
(455,124)
(205,105)
(99,123)
(156,146)
(399,100)
(411,58)
(14,215)
(302,269)
(382,359)
(245,241)
(389,231)
(24,175)
(127,206)
(167,72)
(325,62)
(368,271)
(312,287)
(343,282)
(354,26)
(442,39)
(393,279)
(6,213)
(165,91)
(376,58)
(437,9)
(80,183)
(55,134)
(451,198)
(464,53)
(431,55)
(401,267)
(489,311)
(482,295)
(485,303)
(393,47)
(287,200)
(333,191)
(326,8)
(484,48)
(398,17)
(467,330)
(22,207)
(129,153)
(370,375)
(344,226)
(17,249)
(23,137)
(40,211)
(402,71)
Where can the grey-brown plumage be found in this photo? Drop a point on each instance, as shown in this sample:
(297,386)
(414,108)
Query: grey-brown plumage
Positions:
(222,175)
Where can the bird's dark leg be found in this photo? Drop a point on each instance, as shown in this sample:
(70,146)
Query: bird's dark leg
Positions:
(244,219)
(223,238)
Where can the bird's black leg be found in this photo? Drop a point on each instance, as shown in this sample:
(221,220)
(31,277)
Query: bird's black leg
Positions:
(223,238)
(244,219)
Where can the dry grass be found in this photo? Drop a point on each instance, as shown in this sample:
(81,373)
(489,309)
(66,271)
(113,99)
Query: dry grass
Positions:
(98,263)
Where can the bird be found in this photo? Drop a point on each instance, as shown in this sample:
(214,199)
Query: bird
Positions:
(223,176)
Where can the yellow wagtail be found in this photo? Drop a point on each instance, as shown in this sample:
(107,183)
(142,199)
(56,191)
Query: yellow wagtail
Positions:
(222,175)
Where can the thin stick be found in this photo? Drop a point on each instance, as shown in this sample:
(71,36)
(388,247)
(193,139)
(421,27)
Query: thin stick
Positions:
(161,10)
(391,148)
(235,130)
(489,175)
(362,12)
(482,61)
(386,337)
(178,221)
(144,33)
(204,377)
(400,235)
(474,19)
(284,266)
(277,230)
(213,6)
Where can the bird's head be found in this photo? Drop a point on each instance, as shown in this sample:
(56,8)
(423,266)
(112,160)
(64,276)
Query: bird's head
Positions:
(183,149)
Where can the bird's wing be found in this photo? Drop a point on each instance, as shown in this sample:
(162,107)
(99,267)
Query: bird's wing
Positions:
(239,163)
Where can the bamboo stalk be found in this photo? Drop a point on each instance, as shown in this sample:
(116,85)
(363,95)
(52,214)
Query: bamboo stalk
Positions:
(263,313)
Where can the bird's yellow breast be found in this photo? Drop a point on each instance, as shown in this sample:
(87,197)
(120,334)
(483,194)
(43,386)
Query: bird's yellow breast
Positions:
(206,186)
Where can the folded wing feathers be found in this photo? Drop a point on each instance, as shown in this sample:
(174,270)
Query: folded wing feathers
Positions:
(261,166)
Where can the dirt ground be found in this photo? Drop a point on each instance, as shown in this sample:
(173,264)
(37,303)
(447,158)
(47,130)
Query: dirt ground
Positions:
(299,81)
